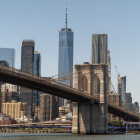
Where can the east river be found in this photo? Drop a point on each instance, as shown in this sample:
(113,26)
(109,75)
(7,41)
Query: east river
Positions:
(62,136)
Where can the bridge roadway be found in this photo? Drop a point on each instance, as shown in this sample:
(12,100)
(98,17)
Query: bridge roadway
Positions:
(20,78)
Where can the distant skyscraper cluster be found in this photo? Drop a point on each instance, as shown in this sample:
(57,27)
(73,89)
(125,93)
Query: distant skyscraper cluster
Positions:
(27,102)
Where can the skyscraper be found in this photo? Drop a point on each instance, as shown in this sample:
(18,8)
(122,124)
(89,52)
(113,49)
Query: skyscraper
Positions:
(99,48)
(27,56)
(37,71)
(27,65)
(37,63)
(122,87)
(48,107)
(109,69)
(8,54)
(65,56)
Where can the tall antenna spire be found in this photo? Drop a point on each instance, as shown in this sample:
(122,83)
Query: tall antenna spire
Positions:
(66,17)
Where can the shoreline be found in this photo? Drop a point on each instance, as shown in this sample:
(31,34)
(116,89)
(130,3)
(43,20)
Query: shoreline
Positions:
(44,132)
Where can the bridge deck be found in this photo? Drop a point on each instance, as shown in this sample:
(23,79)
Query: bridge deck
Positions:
(20,78)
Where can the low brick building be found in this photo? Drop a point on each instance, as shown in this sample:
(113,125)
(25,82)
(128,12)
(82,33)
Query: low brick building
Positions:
(15,109)
(7,96)
(8,122)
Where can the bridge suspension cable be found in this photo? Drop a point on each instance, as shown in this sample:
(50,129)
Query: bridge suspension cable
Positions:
(63,78)
(84,85)
(63,72)
(69,74)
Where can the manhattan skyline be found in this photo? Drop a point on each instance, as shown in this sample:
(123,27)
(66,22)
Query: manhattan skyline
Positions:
(119,20)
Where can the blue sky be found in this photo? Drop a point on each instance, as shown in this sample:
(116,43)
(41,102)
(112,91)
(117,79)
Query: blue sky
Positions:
(41,21)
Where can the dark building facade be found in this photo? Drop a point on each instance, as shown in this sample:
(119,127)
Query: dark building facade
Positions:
(4,63)
(65,60)
(27,65)
(48,107)
(37,63)
(37,71)
(99,48)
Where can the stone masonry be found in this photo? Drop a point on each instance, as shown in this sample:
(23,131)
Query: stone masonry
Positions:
(90,117)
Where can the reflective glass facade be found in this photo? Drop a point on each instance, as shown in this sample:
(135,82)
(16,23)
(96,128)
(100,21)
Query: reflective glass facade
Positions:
(37,63)
(8,54)
(37,71)
(123,92)
(65,57)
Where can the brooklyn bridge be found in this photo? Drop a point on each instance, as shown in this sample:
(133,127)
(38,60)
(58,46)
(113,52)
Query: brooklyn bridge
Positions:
(90,106)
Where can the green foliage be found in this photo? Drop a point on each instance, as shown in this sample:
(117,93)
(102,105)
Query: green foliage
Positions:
(45,128)
(28,128)
(20,128)
(55,128)
(36,129)
(117,122)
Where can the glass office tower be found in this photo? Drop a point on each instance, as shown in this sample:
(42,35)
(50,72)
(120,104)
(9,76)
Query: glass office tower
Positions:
(65,57)
(37,63)
(123,90)
(37,71)
(65,54)
(8,54)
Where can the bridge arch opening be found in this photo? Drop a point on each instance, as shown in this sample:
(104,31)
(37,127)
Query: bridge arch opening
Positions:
(95,85)
(83,83)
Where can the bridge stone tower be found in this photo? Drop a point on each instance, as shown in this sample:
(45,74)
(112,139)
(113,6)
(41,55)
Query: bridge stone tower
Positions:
(90,117)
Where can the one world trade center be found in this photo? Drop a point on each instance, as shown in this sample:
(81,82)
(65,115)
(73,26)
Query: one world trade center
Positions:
(65,60)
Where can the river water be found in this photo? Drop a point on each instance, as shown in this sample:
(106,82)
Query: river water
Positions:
(61,136)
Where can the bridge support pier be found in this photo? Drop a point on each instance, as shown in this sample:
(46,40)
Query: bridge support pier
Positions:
(89,118)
